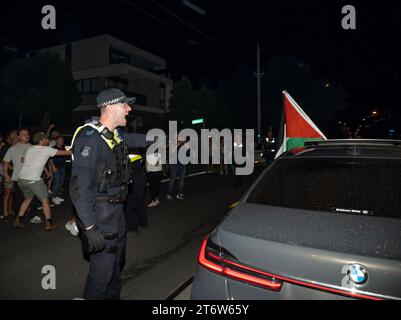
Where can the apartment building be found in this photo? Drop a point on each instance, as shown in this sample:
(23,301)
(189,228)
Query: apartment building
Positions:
(105,62)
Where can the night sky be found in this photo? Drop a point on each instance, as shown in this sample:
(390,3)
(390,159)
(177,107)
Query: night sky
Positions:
(366,61)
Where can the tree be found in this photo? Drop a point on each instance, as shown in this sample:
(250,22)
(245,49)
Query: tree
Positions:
(182,102)
(208,108)
(237,94)
(187,104)
(38,89)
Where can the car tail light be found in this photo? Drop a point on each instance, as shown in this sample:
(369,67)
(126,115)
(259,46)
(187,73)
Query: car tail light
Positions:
(210,258)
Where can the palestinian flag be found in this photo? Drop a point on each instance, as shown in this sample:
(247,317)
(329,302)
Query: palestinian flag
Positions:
(296,127)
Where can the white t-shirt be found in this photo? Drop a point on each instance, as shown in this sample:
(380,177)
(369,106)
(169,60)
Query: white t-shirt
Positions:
(34,162)
(14,155)
(153,162)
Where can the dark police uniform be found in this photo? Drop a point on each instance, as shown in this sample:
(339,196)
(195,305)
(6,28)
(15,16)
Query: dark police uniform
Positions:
(270,150)
(135,206)
(98,189)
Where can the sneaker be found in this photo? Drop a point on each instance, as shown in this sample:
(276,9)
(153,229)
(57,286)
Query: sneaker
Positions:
(5,219)
(36,219)
(169,198)
(156,203)
(152,204)
(56,201)
(72,228)
(60,199)
(180,196)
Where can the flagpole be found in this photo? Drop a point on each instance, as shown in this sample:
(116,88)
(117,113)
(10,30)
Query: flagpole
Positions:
(281,141)
(258,75)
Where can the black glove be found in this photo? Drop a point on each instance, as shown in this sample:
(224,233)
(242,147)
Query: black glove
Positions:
(95,238)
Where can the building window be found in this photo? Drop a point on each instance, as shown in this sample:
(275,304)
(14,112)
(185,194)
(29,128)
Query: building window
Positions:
(68,54)
(118,57)
(141,99)
(79,86)
(119,83)
(94,85)
(162,95)
(87,86)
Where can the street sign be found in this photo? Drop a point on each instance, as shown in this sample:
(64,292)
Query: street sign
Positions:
(197,121)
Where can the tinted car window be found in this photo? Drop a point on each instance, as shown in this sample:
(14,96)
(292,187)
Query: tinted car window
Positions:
(347,186)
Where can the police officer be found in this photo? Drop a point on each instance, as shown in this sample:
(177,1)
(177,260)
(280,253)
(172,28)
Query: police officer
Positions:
(270,148)
(99,179)
(135,211)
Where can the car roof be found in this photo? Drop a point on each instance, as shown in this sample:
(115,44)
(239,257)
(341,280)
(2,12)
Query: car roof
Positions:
(352,148)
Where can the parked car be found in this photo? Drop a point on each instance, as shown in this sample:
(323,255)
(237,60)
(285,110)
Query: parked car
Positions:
(322,222)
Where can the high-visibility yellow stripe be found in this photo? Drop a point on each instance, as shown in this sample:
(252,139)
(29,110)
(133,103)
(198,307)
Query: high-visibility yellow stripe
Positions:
(134,157)
(110,142)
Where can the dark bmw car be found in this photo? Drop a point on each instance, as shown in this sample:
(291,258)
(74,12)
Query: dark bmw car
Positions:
(322,222)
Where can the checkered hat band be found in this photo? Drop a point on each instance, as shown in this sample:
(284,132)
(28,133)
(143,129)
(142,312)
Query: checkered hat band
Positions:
(116,100)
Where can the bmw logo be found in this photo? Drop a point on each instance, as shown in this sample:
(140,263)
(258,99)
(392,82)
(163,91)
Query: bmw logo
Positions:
(357,274)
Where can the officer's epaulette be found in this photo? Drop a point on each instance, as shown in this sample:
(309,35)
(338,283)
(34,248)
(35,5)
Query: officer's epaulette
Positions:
(86,131)
(83,131)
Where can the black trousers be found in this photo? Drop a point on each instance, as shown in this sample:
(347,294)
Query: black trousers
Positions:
(104,279)
(154,184)
(135,210)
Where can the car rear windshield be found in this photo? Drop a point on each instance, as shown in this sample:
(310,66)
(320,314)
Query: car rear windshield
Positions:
(346,186)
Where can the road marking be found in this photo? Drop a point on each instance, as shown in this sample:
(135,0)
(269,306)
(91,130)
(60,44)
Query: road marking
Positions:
(180,289)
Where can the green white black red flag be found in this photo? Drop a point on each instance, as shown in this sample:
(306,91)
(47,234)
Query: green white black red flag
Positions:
(296,127)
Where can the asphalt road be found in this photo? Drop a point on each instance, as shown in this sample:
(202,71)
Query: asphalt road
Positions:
(158,261)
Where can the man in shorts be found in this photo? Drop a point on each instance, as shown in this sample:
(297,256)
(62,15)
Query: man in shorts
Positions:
(19,142)
(29,178)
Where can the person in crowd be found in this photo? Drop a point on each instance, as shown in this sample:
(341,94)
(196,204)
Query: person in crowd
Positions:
(52,133)
(223,166)
(210,166)
(47,175)
(270,148)
(29,178)
(177,171)
(12,162)
(154,170)
(238,146)
(135,206)
(3,150)
(59,172)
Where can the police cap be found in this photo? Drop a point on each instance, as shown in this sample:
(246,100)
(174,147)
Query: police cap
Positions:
(112,96)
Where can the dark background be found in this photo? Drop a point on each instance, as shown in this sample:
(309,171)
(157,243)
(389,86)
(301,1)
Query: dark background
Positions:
(207,48)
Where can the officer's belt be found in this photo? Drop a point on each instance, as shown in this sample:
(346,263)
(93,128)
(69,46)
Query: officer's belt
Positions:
(116,199)
(110,236)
